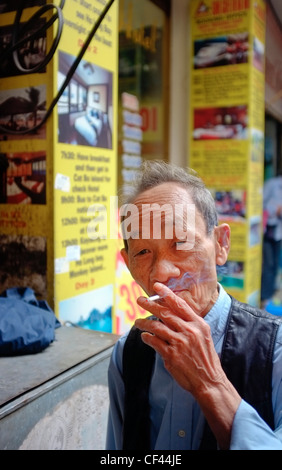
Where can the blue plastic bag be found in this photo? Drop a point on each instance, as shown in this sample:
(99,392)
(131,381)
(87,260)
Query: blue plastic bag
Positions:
(27,325)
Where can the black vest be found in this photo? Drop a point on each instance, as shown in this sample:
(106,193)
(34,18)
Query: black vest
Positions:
(246,359)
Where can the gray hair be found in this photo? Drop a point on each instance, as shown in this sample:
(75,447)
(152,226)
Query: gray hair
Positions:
(155,172)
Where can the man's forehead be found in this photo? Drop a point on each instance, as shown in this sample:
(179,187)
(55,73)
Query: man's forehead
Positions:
(157,221)
(173,213)
(170,192)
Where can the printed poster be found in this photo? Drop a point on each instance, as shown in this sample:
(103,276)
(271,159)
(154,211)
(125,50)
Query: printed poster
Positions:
(26,218)
(85,149)
(227,128)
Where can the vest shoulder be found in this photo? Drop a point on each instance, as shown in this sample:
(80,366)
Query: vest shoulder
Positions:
(254,311)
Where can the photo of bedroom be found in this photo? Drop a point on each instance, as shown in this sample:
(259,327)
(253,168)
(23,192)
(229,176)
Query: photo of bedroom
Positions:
(85,108)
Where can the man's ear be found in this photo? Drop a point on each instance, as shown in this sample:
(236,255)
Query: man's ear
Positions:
(222,240)
(124,254)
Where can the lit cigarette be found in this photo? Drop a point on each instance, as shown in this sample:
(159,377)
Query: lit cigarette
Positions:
(154,297)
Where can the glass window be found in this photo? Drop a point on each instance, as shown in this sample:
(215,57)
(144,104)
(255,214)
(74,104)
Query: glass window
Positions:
(82,97)
(63,103)
(73,96)
(143,85)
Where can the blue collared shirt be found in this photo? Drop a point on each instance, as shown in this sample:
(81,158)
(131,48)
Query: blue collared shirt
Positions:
(177,420)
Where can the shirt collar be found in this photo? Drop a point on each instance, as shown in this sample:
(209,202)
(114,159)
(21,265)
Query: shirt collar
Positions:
(218,315)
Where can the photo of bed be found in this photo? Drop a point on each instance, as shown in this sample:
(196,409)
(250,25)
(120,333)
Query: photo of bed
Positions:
(85,108)
(225,50)
(89,126)
(220,123)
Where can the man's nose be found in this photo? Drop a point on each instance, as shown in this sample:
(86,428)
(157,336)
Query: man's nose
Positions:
(163,270)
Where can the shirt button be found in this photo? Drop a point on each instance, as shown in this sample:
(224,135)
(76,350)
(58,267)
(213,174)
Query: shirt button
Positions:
(181,433)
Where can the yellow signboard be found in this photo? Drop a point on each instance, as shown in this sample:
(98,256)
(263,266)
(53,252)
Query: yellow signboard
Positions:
(85,158)
(58,120)
(26,218)
(227,127)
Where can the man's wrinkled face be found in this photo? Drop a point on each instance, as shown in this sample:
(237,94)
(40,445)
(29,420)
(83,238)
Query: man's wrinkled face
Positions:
(172,246)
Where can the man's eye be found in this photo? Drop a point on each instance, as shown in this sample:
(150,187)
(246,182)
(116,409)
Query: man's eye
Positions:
(142,252)
(183,245)
(180,242)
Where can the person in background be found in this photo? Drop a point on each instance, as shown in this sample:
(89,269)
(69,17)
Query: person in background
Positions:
(272,205)
(204,370)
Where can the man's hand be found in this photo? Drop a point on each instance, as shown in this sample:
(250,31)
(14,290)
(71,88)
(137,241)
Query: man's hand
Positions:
(184,341)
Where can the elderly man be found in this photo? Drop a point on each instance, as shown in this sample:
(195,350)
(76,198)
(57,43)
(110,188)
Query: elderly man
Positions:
(204,370)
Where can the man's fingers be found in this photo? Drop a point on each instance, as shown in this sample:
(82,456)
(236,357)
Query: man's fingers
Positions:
(176,304)
(155,328)
(156,343)
(154,307)
(167,315)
